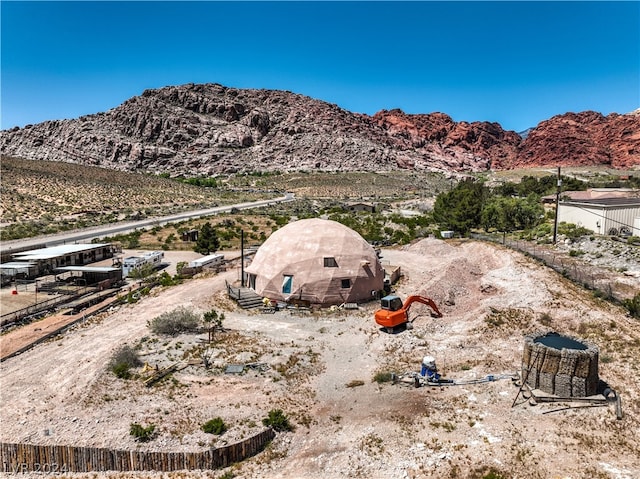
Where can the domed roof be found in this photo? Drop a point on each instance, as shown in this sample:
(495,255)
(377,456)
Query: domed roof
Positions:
(318,260)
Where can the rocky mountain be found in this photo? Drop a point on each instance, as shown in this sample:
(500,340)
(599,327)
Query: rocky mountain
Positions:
(203,129)
(586,138)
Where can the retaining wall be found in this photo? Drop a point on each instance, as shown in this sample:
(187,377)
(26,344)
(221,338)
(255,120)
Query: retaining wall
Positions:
(31,458)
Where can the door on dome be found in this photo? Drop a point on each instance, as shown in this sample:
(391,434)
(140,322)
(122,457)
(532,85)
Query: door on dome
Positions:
(287,284)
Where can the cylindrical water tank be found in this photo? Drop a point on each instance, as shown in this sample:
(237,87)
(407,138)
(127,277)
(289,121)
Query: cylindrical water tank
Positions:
(560,365)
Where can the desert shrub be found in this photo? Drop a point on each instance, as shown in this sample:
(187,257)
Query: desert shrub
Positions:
(277,420)
(546,319)
(355,383)
(180,265)
(141,433)
(141,272)
(214,426)
(165,279)
(633,306)
(172,323)
(571,231)
(382,377)
(124,359)
(493,474)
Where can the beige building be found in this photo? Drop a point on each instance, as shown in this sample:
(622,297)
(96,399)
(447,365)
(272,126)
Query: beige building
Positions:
(319,261)
(605,216)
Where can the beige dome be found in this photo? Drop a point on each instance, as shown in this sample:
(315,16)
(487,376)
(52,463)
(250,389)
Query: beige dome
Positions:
(316,260)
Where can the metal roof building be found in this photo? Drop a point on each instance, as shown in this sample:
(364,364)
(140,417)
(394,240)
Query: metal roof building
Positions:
(59,251)
(45,260)
(102,275)
(606,216)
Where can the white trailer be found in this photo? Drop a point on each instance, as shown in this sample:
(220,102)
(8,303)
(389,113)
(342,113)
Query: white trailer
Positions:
(153,258)
(210,261)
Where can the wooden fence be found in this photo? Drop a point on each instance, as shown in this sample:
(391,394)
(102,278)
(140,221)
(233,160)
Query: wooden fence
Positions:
(30,458)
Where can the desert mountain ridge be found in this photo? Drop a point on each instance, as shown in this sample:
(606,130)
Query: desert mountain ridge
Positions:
(205,129)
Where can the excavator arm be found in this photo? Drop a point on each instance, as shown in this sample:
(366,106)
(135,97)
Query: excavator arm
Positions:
(421,299)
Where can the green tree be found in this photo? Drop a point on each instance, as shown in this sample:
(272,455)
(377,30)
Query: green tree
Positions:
(208,241)
(213,320)
(460,209)
(510,214)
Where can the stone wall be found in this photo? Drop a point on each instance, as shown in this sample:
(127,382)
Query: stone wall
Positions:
(563,372)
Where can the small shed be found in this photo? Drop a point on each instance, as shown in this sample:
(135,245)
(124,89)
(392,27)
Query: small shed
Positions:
(190,235)
(358,207)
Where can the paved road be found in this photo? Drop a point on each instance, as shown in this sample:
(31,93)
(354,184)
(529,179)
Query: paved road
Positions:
(88,234)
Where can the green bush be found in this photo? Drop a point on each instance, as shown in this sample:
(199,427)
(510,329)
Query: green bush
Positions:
(493,474)
(142,272)
(633,306)
(141,433)
(172,323)
(214,426)
(571,231)
(277,420)
(165,279)
(124,359)
(382,377)
(121,371)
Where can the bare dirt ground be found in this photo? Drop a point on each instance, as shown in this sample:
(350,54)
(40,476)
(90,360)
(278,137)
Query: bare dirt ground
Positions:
(319,369)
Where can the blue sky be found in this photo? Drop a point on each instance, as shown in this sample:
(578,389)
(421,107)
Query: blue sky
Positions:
(516,63)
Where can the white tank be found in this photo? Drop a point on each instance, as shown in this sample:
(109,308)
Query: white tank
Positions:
(429,362)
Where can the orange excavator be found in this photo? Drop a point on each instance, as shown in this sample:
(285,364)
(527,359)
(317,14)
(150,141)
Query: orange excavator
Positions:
(393,312)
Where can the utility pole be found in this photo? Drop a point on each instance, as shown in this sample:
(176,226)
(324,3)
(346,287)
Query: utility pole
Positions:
(555,223)
(242,258)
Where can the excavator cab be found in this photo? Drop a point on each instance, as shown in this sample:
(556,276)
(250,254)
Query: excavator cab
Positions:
(391,303)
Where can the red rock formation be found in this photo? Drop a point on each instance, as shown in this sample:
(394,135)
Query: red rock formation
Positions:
(482,139)
(582,139)
(206,129)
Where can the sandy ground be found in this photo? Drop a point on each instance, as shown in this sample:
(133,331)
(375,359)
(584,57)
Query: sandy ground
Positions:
(319,369)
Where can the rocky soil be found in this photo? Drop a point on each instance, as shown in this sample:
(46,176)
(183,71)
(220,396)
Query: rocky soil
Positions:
(320,367)
(204,129)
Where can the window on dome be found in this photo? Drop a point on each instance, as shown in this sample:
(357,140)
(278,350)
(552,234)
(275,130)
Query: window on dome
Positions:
(330,263)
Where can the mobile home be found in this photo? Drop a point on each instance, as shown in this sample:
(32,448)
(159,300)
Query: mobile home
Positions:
(153,258)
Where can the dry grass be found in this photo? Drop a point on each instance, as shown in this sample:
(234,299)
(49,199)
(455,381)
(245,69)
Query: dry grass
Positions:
(383,186)
(44,197)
